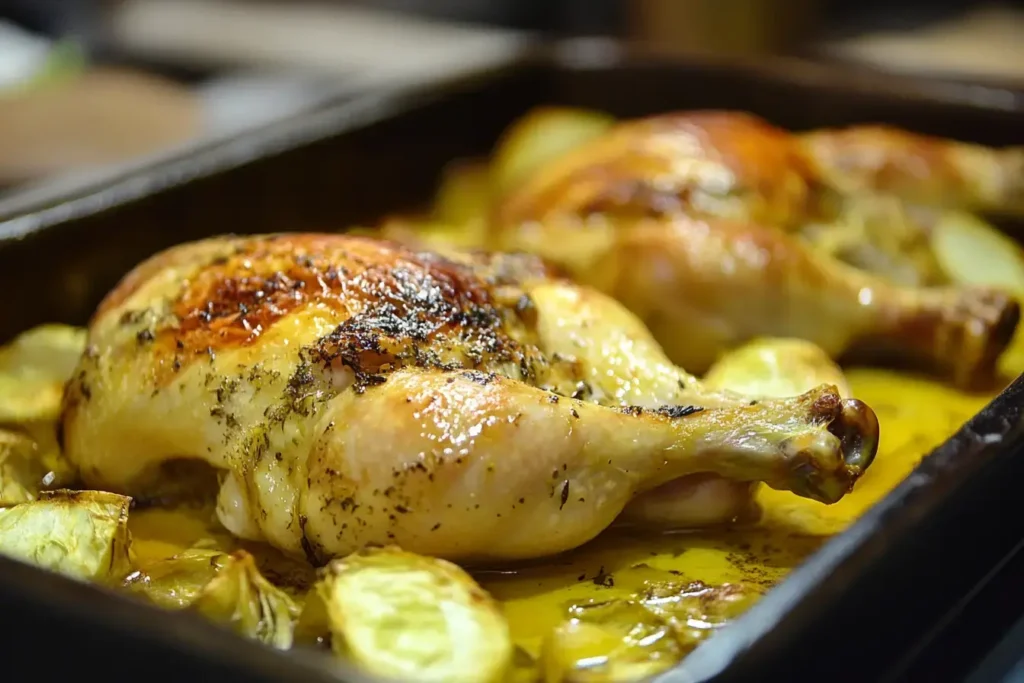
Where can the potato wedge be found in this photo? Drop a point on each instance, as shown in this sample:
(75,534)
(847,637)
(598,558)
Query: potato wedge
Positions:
(465,193)
(240,597)
(49,351)
(58,472)
(612,641)
(81,534)
(973,252)
(408,617)
(775,367)
(696,610)
(20,470)
(176,582)
(33,370)
(28,399)
(538,137)
(226,588)
(436,235)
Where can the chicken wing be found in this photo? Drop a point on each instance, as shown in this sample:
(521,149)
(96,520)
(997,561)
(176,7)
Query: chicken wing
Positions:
(352,392)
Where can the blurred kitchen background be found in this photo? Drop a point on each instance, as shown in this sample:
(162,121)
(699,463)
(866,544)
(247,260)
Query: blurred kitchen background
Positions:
(94,87)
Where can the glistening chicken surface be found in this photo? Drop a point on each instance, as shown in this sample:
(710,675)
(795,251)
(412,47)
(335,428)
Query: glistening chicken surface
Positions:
(393,325)
(354,392)
(715,228)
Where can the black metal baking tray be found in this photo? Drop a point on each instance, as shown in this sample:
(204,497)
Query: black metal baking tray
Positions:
(861,608)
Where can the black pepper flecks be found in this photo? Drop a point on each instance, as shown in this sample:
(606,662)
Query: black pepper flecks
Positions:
(678,411)
(583,391)
(603,579)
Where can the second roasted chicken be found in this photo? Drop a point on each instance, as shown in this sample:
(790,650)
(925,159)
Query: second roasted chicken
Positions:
(353,392)
(716,228)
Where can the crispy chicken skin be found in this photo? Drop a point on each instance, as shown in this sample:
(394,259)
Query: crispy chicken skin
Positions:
(703,286)
(919,168)
(706,286)
(867,195)
(736,165)
(703,163)
(352,391)
(716,228)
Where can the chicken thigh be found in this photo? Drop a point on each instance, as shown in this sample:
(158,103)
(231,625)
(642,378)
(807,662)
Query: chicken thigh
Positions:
(352,392)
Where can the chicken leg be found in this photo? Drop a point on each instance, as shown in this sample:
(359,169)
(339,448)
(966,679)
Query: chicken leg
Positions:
(350,392)
(763,368)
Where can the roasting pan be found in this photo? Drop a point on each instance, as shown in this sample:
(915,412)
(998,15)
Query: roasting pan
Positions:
(918,557)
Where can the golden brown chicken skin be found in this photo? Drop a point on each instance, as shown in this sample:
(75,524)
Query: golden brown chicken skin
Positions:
(867,195)
(736,165)
(918,168)
(702,163)
(704,286)
(716,228)
(351,391)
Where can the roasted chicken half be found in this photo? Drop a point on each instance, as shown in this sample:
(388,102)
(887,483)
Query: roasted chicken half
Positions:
(716,228)
(351,392)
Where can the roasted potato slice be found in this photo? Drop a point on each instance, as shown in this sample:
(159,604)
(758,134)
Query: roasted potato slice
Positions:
(176,582)
(20,470)
(973,252)
(48,351)
(32,457)
(58,472)
(696,610)
(436,235)
(538,137)
(775,367)
(408,617)
(240,597)
(226,588)
(33,370)
(883,235)
(27,399)
(618,640)
(465,193)
(82,534)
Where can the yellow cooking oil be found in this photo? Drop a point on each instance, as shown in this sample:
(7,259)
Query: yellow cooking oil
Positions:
(915,415)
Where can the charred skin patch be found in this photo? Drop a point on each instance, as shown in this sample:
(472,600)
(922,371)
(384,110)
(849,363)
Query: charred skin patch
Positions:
(395,306)
(431,313)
